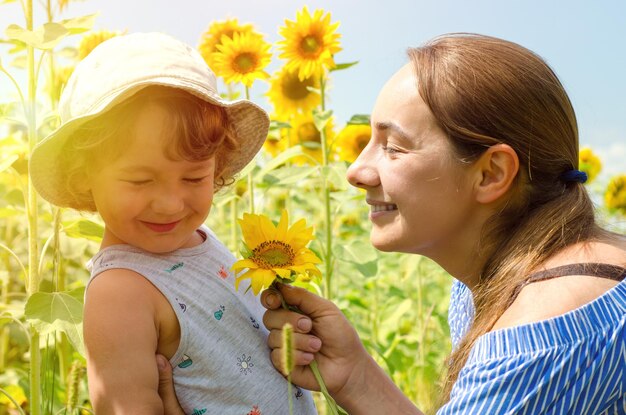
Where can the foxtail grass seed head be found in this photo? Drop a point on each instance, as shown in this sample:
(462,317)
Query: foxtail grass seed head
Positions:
(288,352)
(77,372)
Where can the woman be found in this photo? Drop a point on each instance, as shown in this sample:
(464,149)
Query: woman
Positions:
(473,163)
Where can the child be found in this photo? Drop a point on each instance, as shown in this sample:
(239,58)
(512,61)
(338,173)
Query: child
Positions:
(145,140)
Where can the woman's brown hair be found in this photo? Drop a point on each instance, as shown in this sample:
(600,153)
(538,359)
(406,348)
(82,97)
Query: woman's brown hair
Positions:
(485,91)
(198,130)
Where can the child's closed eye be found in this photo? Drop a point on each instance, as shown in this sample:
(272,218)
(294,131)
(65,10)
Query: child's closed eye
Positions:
(196,179)
(137,182)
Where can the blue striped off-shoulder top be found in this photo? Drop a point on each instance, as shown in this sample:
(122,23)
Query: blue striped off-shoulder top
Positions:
(574,363)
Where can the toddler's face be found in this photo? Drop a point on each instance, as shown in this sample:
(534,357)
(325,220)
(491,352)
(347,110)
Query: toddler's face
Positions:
(148,200)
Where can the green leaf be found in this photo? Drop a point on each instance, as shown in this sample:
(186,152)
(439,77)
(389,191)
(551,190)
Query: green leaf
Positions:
(342,66)
(80,24)
(281,159)
(78,294)
(368,269)
(44,37)
(68,52)
(7,160)
(84,228)
(336,176)
(278,125)
(57,312)
(321,118)
(359,119)
(19,62)
(357,251)
(289,175)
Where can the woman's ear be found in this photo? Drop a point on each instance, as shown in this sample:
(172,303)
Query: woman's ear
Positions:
(497,168)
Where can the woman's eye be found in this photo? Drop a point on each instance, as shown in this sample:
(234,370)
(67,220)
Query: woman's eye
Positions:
(390,150)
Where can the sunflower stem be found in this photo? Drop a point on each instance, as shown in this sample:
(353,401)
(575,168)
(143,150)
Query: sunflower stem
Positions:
(250,178)
(326,194)
(233,221)
(33,250)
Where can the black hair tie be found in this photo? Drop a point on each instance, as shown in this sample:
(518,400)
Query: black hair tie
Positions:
(574,175)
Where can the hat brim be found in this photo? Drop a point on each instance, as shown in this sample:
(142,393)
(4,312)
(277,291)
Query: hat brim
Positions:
(250,122)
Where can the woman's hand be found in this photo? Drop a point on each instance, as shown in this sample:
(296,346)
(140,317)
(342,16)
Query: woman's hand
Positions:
(322,333)
(166,387)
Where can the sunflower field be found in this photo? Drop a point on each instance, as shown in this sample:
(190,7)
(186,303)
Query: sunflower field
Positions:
(398,303)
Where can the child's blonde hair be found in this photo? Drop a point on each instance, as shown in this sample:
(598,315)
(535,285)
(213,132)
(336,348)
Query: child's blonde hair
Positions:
(198,130)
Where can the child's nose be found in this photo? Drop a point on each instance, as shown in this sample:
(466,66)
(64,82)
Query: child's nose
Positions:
(168,202)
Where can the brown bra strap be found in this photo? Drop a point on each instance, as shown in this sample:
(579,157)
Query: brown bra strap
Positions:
(608,271)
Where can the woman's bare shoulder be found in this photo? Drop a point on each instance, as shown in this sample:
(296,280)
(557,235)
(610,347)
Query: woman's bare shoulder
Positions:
(554,297)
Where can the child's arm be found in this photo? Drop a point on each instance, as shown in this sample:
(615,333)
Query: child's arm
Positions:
(121,336)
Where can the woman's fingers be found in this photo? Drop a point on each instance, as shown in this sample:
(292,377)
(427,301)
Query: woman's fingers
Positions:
(166,387)
(301,342)
(276,319)
(270,298)
(303,300)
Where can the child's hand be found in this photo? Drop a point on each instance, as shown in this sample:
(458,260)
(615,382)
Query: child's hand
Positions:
(322,333)
(166,387)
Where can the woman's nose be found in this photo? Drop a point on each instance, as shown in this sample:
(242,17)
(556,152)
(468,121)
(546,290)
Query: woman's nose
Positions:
(363,172)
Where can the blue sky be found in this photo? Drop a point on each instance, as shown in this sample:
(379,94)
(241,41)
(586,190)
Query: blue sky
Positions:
(582,40)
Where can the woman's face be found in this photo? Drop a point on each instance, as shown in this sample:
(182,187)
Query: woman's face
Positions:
(420,199)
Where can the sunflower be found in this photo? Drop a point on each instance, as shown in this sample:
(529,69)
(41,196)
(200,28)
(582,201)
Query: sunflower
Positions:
(54,86)
(213,36)
(63,4)
(309,43)
(615,195)
(589,163)
(288,94)
(274,251)
(91,40)
(304,132)
(275,144)
(242,58)
(352,140)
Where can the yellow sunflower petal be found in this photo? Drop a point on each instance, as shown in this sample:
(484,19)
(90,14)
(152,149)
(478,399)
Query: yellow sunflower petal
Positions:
(93,39)
(289,94)
(213,35)
(309,43)
(306,255)
(282,231)
(251,230)
(590,163)
(242,58)
(299,235)
(263,279)
(282,273)
(243,264)
(352,140)
(268,230)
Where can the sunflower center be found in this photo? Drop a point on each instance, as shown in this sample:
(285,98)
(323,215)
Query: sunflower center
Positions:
(271,254)
(361,142)
(307,133)
(295,89)
(245,62)
(311,45)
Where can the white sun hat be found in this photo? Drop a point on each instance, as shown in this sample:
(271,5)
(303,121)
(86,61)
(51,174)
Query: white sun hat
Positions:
(118,68)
